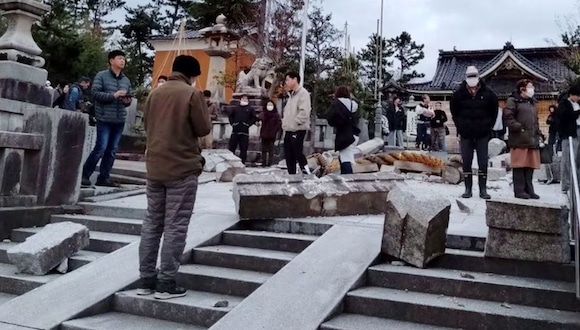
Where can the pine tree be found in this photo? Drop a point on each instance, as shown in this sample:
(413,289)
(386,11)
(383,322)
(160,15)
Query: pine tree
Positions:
(408,53)
(368,58)
(239,13)
(140,24)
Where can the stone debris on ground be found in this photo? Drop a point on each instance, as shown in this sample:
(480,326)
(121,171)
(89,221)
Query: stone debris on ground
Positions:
(221,304)
(415,229)
(462,207)
(48,248)
(224,163)
(496,147)
(527,230)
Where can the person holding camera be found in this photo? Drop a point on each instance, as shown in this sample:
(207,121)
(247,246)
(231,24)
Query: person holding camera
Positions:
(111,94)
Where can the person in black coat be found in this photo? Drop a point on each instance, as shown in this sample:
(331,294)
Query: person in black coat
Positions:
(474,108)
(342,116)
(397,119)
(241,118)
(567,116)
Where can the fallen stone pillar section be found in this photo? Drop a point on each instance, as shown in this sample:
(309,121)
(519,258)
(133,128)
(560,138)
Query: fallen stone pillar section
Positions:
(527,230)
(44,251)
(292,196)
(415,229)
(224,163)
(370,147)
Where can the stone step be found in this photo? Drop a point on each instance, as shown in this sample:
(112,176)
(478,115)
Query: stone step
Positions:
(197,308)
(235,282)
(15,283)
(266,261)
(100,241)
(128,179)
(113,211)
(310,227)
(474,261)
(454,312)
(268,240)
(78,260)
(103,224)
(5,297)
(113,320)
(362,322)
(483,286)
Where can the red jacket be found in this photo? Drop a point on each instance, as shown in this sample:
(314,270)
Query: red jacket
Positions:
(271,124)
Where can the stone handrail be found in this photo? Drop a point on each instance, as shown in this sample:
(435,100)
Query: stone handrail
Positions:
(574,196)
(25,141)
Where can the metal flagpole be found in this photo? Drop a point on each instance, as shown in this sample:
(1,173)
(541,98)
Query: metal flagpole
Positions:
(303,44)
(381,54)
(377,64)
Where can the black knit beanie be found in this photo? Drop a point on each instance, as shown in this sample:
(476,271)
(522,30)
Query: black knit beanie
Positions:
(187,65)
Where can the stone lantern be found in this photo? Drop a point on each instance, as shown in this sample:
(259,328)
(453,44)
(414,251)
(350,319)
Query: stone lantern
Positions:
(219,38)
(21,75)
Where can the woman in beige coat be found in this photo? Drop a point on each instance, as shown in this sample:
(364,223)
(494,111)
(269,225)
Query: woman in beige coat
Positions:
(521,117)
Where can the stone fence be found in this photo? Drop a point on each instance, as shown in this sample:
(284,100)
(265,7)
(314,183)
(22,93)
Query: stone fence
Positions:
(41,151)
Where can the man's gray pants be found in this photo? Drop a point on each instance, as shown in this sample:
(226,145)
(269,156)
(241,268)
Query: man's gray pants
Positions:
(169,209)
(565,161)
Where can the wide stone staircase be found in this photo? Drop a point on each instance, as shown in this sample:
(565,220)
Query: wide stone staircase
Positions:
(462,290)
(218,276)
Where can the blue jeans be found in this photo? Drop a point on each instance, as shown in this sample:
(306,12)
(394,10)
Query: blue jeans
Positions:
(108,137)
(422,136)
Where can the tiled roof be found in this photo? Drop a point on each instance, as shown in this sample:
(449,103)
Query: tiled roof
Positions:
(188,34)
(451,67)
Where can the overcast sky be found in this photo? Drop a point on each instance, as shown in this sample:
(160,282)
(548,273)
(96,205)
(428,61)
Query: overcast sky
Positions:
(443,24)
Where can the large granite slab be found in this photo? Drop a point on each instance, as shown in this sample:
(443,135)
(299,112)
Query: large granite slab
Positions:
(527,215)
(521,245)
(293,196)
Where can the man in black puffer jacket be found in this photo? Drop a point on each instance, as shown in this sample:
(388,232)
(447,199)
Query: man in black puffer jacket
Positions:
(241,118)
(474,109)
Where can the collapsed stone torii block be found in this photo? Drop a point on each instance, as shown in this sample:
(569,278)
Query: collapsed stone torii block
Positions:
(415,229)
(292,196)
(527,230)
(45,250)
(224,163)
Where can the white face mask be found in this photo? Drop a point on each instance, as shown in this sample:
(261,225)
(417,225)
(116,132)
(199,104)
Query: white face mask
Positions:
(530,92)
(270,107)
(244,103)
(472,82)
(193,84)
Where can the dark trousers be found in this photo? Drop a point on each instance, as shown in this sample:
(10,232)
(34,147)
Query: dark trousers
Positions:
(268,151)
(422,136)
(294,150)
(243,140)
(480,146)
(169,208)
(108,137)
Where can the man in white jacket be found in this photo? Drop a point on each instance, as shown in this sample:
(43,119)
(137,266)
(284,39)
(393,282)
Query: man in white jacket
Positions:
(296,122)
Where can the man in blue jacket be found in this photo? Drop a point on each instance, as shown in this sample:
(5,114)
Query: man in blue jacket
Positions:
(111,95)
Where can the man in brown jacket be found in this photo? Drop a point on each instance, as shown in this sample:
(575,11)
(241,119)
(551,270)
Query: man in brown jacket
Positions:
(175,117)
(207,141)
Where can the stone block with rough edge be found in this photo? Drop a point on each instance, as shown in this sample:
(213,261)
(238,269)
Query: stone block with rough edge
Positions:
(48,248)
(496,174)
(272,196)
(527,215)
(520,245)
(415,229)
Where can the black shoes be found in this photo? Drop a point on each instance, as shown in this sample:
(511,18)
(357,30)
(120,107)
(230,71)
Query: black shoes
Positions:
(169,290)
(482,182)
(468,179)
(147,286)
(86,182)
(107,183)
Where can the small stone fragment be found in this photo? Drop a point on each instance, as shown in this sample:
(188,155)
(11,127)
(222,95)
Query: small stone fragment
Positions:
(462,207)
(506,305)
(397,263)
(63,267)
(466,275)
(222,303)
